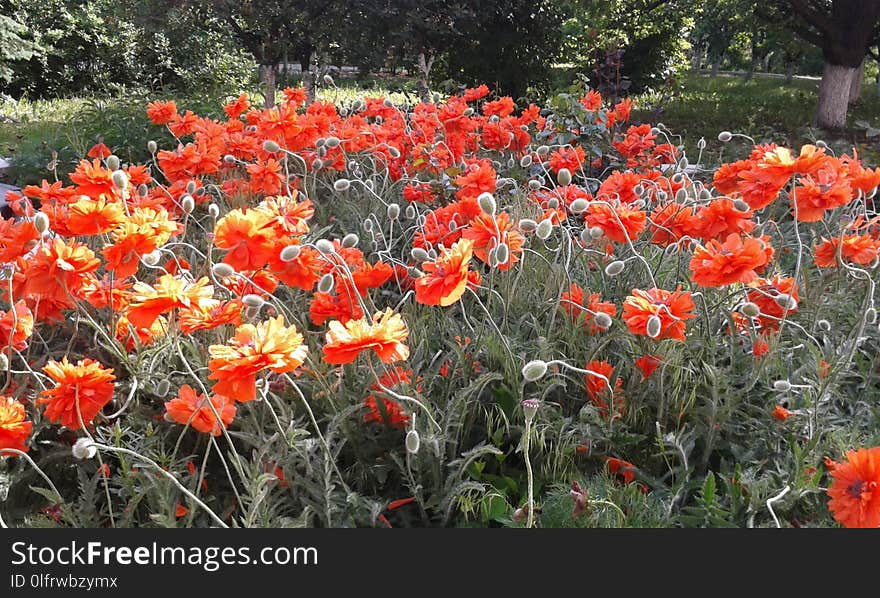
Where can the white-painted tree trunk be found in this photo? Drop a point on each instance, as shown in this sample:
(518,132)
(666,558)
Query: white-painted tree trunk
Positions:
(267,76)
(424,88)
(834,96)
(855,86)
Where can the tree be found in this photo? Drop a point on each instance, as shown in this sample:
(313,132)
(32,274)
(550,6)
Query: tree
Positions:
(844,30)
(13,47)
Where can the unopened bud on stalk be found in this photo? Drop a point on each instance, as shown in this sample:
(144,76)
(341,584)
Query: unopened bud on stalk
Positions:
(119,178)
(741,205)
(527,225)
(725,136)
(534,184)
(419,254)
(113,162)
(585,236)
(271,146)
(672,249)
(468,112)
(653,327)
(290,253)
(41,222)
(163,387)
(317,164)
(487,203)
(252,300)
(545,228)
(662,195)
(563,177)
(213,210)
(152,146)
(229,159)
(785,301)
(332,142)
(412,442)
(393,211)
(325,285)
(602,320)
(534,370)
(143,190)
(409,212)
(870,315)
(249,313)
(596,232)
(350,240)
(781,385)
(750,309)
(84,448)
(681,196)
(368,225)
(705,194)
(615,268)
(152,258)
(222,270)
(579,205)
(525,161)
(502,254)
(341,185)
(530,409)
(542,150)
(824,325)
(395,153)
(187,204)
(639,190)
(553,203)
(324,246)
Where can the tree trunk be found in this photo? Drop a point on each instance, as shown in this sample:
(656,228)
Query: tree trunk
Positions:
(424,88)
(834,96)
(697,59)
(789,73)
(716,66)
(308,77)
(268,74)
(855,86)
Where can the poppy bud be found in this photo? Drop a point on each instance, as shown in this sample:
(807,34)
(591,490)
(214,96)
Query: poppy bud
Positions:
(615,268)
(152,258)
(368,225)
(534,370)
(341,185)
(290,253)
(870,315)
(325,285)
(534,184)
(332,142)
(487,203)
(41,222)
(681,196)
(563,177)
(701,144)
(596,232)
(152,146)
(222,270)
(602,320)
(143,190)
(585,236)
(662,195)
(252,300)
(530,409)
(741,205)
(469,111)
(502,254)
(324,246)
(782,385)
(409,212)
(271,146)
(113,162)
(824,325)
(725,136)
(317,164)
(249,313)
(579,205)
(527,225)
(419,254)
(229,159)
(653,327)
(412,442)
(544,229)
(671,249)
(750,309)
(393,211)
(388,103)
(350,240)
(188,204)
(553,203)
(163,387)
(785,301)
(119,178)
(213,210)
(84,448)
(525,161)
(543,150)
(494,118)
(639,190)
(705,194)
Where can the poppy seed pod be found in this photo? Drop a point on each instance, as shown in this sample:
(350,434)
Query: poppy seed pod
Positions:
(252,300)
(325,285)
(412,442)
(527,225)
(741,205)
(113,162)
(525,161)
(487,203)
(750,309)
(725,136)
(534,184)
(502,254)
(563,177)
(152,146)
(290,253)
(530,409)
(615,268)
(271,146)
(119,178)
(419,254)
(350,240)
(409,212)
(222,270)
(781,385)
(653,327)
(332,142)
(324,246)
(545,228)
(579,205)
(163,387)
(785,301)
(341,185)
(368,225)
(84,448)
(534,370)
(602,320)
(41,222)
(213,210)
(187,204)
(393,211)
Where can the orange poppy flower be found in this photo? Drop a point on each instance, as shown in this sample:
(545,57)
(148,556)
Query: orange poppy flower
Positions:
(248,237)
(131,337)
(479,178)
(14,430)
(624,469)
(329,306)
(266,178)
(781,413)
(827,189)
(670,222)
(161,113)
(764,296)
(672,308)
(718,264)
(208,317)
(93,217)
(92,179)
(80,389)
(618,223)
(720,218)
(855,490)
(16,326)
(99,150)
(148,302)
(758,187)
(58,268)
(726,177)
(445,278)
(575,302)
(287,216)
(16,239)
(192,409)
(858,249)
(487,235)
(268,345)
(647,364)
(384,335)
(598,389)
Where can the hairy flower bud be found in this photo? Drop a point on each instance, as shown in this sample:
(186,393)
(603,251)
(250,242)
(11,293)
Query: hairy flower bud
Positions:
(741,205)
(545,228)
(271,146)
(579,205)
(222,270)
(596,232)
(602,320)
(151,259)
(84,448)
(781,385)
(824,325)
(163,387)
(534,370)
(419,254)
(527,225)
(120,179)
(324,246)
(530,409)
(350,240)
(325,285)
(41,222)
(341,185)
(534,184)
(213,210)
(113,162)
(653,327)
(563,177)
(290,253)
(701,144)
(615,268)
(412,442)
(393,211)
(502,254)
(152,146)
(542,150)
(750,309)
(187,204)
(525,161)
(410,212)
(487,203)
(785,301)
(332,142)
(725,136)
(870,315)
(252,300)
(328,80)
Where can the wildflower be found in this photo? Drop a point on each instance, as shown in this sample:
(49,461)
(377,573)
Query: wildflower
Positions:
(161,113)
(81,391)
(487,235)
(718,264)
(169,292)
(575,302)
(253,349)
(622,468)
(672,308)
(600,391)
(828,189)
(14,430)
(16,326)
(721,218)
(858,249)
(619,224)
(445,278)
(781,413)
(248,238)
(647,364)
(191,409)
(384,335)
(855,490)
(93,217)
